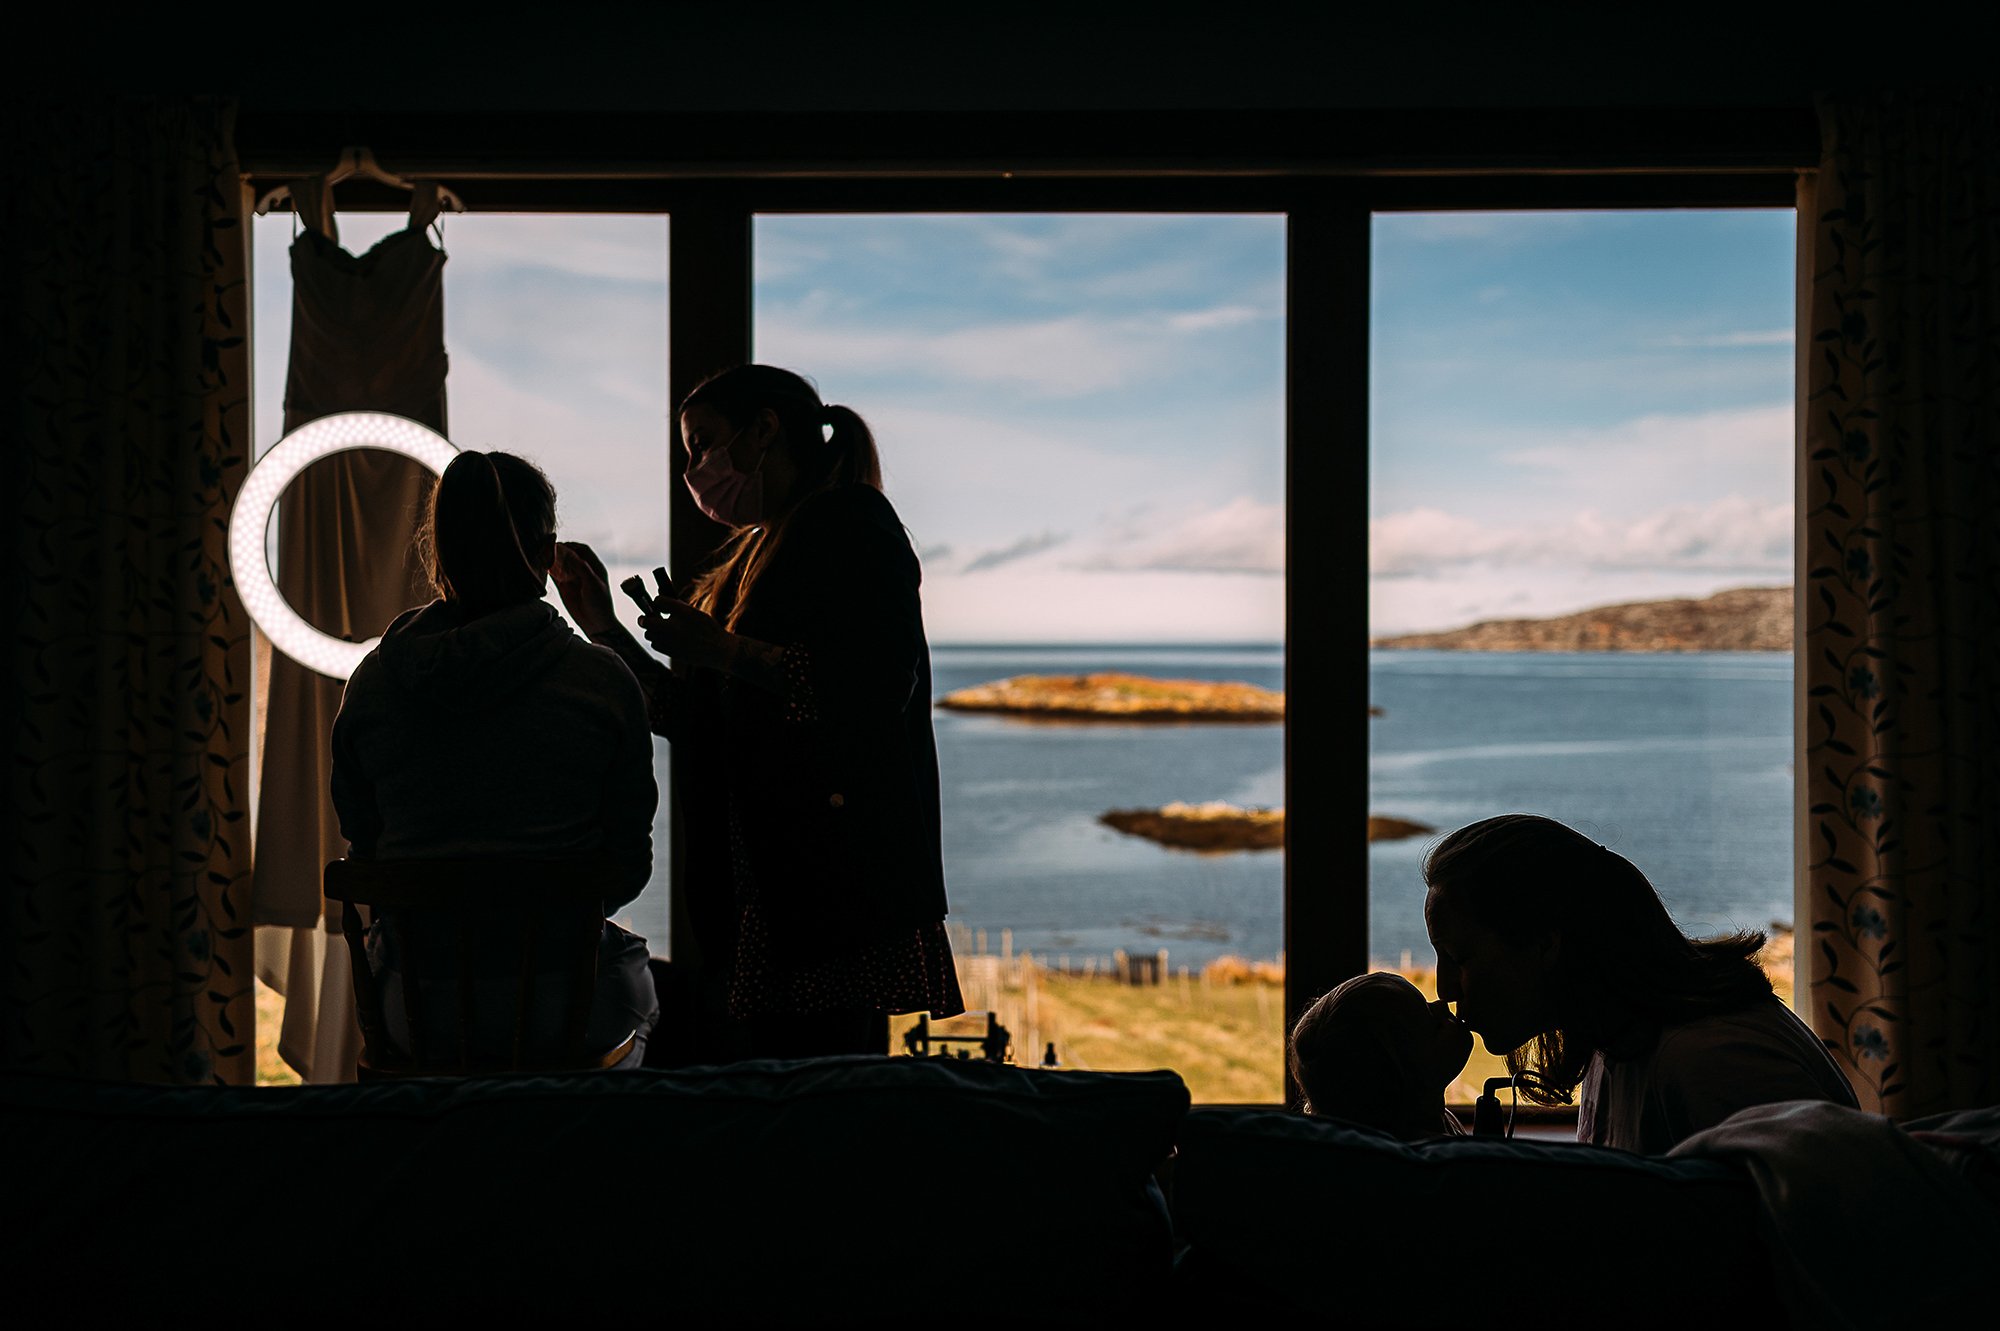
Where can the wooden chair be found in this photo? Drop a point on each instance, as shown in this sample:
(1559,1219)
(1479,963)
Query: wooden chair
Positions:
(458,922)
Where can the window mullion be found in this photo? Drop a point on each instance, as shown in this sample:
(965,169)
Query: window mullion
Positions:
(1326,597)
(708,329)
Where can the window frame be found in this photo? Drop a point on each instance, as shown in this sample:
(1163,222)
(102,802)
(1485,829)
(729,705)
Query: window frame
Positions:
(1618,161)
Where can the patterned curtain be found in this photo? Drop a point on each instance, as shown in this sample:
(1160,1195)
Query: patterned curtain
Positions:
(126,948)
(1902,609)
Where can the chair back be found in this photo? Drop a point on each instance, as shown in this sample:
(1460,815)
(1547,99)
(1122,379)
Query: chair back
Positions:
(483,945)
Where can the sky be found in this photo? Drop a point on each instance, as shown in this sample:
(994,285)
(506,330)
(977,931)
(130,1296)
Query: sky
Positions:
(1576,409)
(556,332)
(1082,418)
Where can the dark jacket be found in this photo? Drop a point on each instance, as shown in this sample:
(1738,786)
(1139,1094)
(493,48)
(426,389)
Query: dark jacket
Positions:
(501,735)
(834,785)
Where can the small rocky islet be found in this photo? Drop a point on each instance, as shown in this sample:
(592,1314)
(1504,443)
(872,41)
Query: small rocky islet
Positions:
(1115,696)
(1213,826)
(1217,826)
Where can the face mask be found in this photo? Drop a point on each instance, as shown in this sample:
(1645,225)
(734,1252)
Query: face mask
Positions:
(727,494)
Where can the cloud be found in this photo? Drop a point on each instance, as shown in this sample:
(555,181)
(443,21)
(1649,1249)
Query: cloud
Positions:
(1671,441)
(1730,535)
(1424,540)
(608,461)
(1242,536)
(1057,357)
(1648,461)
(1021,254)
(1021,549)
(1221,316)
(1152,279)
(1030,602)
(780,253)
(1765,337)
(1066,357)
(627,249)
(973,480)
(1027,263)
(1116,257)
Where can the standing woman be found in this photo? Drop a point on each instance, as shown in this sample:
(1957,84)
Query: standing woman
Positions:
(1560,954)
(801,687)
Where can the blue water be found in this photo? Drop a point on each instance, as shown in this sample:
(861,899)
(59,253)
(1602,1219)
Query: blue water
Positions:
(1023,847)
(1679,761)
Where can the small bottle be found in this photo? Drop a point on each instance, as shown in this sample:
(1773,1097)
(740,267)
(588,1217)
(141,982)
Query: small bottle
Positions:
(1049,1056)
(1486,1121)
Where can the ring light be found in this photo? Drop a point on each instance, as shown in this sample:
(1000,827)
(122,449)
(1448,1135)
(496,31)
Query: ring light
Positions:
(251,517)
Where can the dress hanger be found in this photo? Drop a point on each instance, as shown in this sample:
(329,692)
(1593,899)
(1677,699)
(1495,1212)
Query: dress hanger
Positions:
(358,162)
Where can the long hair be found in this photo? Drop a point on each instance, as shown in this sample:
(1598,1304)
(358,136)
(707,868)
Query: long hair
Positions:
(830,446)
(1624,970)
(485,513)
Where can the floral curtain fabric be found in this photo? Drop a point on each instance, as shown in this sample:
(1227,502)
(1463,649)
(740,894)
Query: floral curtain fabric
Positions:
(1902,599)
(126,946)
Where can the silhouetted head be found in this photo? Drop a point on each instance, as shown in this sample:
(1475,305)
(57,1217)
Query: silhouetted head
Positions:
(1544,936)
(759,443)
(778,443)
(489,534)
(1373,1052)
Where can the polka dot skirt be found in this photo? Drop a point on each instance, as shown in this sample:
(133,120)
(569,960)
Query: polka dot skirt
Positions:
(911,972)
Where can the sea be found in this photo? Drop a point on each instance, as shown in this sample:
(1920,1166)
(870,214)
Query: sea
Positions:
(1681,762)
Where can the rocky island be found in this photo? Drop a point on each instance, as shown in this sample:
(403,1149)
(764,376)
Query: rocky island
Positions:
(1111,696)
(1383,828)
(1746,619)
(1213,826)
(1219,826)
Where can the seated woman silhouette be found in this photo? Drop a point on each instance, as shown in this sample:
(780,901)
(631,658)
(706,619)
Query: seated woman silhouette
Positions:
(1560,954)
(1372,1051)
(482,726)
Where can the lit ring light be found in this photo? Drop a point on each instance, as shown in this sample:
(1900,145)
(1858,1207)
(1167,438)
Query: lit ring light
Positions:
(252,517)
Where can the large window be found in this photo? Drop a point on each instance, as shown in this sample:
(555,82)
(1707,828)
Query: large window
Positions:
(1581,431)
(1082,423)
(1095,423)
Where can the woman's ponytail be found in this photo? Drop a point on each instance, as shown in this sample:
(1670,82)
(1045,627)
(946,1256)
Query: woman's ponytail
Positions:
(852,445)
(485,511)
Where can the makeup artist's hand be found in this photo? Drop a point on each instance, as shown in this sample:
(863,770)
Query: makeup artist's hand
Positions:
(690,636)
(585,589)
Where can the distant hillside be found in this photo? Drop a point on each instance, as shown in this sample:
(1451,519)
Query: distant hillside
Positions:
(1746,619)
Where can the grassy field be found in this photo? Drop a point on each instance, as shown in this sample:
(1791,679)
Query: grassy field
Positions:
(1222,1028)
(1225,1039)
(271,1070)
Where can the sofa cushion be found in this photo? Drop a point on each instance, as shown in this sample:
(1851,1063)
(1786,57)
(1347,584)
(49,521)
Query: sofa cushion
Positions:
(1309,1218)
(826,1189)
